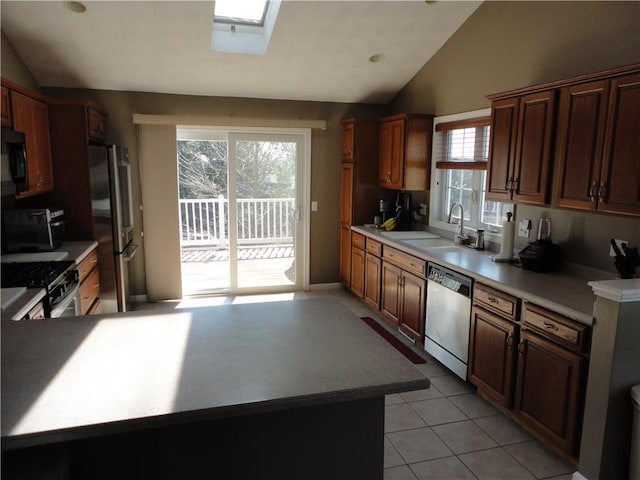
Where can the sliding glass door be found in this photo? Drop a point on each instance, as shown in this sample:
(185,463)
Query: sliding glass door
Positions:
(246,233)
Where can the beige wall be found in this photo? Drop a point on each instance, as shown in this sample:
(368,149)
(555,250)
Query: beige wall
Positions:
(325,153)
(507,45)
(13,68)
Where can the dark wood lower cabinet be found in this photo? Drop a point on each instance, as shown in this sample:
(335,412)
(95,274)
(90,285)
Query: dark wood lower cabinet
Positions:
(372,275)
(491,355)
(357,271)
(403,300)
(345,255)
(414,292)
(390,296)
(550,389)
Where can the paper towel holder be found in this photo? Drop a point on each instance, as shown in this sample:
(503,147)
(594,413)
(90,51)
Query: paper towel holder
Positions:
(506,248)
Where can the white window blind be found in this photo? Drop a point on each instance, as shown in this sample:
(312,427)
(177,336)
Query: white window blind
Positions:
(462,144)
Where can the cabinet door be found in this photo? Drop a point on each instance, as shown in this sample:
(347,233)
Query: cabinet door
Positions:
(390,295)
(396,161)
(6,108)
(549,392)
(384,154)
(581,128)
(43,141)
(504,120)
(492,342)
(357,271)
(96,125)
(619,185)
(348,130)
(346,201)
(31,118)
(413,291)
(532,165)
(345,255)
(372,272)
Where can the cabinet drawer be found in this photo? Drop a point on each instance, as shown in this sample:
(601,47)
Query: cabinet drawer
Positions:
(89,291)
(556,327)
(374,247)
(87,264)
(496,301)
(405,261)
(357,240)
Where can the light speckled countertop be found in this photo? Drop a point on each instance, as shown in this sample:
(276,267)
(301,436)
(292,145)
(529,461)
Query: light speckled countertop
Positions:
(75,377)
(565,292)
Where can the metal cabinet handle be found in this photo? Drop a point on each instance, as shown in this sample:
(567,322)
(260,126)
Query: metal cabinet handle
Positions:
(592,192)
(550,326)
(509,340)
(602,191)
(492,299)
(509,186)
(521,346)
(516,184)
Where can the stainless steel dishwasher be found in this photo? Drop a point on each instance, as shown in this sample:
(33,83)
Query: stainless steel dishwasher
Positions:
(448,314)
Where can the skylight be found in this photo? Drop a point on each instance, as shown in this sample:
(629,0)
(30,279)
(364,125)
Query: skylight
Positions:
(243,26)
(245,12)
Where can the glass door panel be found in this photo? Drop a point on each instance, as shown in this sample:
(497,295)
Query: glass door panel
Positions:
(264,183)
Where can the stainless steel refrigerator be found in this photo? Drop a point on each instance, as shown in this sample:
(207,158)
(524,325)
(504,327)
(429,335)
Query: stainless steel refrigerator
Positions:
(110,175)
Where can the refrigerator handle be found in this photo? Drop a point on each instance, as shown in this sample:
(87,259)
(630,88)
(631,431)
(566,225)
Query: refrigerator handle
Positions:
(130,252)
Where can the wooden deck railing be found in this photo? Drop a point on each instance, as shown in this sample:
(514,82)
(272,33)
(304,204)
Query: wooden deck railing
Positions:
(260,221)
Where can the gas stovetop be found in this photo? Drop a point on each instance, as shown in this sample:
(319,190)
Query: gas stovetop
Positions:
(33,274)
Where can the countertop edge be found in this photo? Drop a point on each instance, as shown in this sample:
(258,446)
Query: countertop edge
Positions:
(15,442)
(25,302)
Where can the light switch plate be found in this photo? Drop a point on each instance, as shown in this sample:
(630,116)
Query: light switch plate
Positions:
(524,227)
(314,206)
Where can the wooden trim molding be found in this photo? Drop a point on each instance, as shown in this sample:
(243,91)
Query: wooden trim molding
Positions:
(469,123)
(462,165)
(605,74)
(144,119)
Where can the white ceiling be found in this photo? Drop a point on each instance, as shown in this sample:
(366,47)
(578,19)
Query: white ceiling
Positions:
(319,50)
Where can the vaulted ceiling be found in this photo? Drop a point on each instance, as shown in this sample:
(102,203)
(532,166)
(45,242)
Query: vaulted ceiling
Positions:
(319,50)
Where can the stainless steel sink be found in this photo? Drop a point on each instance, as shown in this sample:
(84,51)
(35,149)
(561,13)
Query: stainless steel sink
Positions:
(408,235)
(428,243)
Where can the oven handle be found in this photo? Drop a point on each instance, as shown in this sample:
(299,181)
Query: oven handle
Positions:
(57,311)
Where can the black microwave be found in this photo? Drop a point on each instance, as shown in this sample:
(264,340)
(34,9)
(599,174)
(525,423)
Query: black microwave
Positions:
(14,155)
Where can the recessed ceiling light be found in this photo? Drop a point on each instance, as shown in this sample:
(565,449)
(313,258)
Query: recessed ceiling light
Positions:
(76,7)
(378,57)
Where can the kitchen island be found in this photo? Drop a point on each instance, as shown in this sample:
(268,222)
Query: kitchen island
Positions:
(273,390)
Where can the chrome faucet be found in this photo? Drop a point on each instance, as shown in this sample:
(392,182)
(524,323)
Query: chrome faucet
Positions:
(460,236)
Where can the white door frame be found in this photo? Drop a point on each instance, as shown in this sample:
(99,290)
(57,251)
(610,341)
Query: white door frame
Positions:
(302,136)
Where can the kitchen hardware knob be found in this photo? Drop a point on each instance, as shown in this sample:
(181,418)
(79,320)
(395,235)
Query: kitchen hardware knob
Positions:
(521,346)
(516,184)
(492,299)
(550,326)
(509,341)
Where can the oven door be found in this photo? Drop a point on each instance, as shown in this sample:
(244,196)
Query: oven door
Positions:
(69,306)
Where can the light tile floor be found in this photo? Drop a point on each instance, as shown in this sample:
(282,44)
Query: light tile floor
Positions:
(446,432)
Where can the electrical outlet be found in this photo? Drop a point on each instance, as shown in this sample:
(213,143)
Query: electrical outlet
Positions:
(423,209)
(619,243)
(314,206)
(524,227)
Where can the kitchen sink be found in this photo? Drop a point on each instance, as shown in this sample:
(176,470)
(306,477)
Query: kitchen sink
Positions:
(428,243)
(408,235)
(449,249)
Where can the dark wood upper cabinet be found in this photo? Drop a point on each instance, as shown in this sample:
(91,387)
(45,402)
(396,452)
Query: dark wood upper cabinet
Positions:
(520,152)
(590,144)
(504,118)
(405,151)
(581,126)
(620,181)
(6,108)
(31,117)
